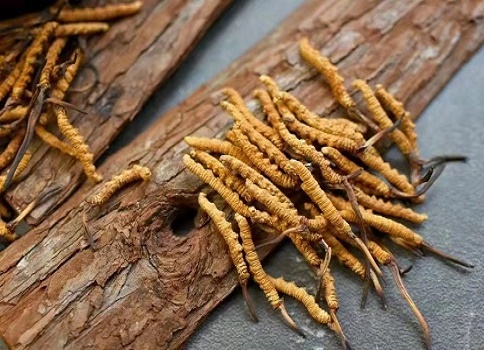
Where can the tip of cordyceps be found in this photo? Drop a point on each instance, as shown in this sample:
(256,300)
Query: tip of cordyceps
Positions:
(441,254)
(345,344)
(304,43)
(248,301)
(289,321)
(398,280)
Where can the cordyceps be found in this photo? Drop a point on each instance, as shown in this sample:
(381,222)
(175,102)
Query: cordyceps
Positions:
(41,60)
(322,183)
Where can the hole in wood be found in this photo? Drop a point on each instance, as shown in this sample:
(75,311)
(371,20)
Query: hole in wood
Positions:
(184,221)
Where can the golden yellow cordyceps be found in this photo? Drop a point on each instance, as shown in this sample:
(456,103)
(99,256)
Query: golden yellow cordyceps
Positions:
(319,181)
(40,59)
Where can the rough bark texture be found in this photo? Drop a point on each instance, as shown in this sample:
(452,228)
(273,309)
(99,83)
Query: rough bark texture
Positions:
(147,287)
(133,58)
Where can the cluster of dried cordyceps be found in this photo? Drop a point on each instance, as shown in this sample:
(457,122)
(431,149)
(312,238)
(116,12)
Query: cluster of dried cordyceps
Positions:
(39,59)
(315,180)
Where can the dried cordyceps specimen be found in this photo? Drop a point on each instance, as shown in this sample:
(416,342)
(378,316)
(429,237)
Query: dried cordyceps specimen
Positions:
(260,161)
(229,179)
(321,183)
(33,52)
(335,80)
(246,172)
(390,174)
(267,131)
(381,117)
(80,148)
(216,146)
(256,138)
(311,187)
(76,29)
(51,59)
(52,140)
(396,108)
(39,61)
(258,273)
(316,312)
(349,167)
(207,176)
(231,238)
(342,127)
(99,14)
(8,82)
(136,173)
(388,208)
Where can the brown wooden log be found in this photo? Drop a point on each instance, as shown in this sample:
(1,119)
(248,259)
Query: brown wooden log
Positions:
(146,287)
(132,59)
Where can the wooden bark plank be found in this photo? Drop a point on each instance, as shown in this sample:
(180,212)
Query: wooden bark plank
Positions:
(148,288)
(132,59)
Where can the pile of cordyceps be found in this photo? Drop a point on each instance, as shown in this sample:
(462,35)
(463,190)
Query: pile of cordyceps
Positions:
(321,183)
(40,56)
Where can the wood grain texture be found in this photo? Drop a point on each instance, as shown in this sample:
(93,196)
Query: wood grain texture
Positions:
(132,59)
(148,288)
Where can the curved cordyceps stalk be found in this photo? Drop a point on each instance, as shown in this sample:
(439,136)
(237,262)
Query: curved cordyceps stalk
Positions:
(426,246)
(345,344)
(270,242)
(366,286)
(67,105)
(323,274)
(405,270)
(411,247)
(434,172)
(398,280)
(444,159)
(327,258)
(33,111)
(367,254)
(426,177)
(248,301)
(378,136)
(378,289)
(364,231)
(289,321)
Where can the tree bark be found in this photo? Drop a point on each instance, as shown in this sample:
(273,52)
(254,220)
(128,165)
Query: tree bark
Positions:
(132,59)
(148,287)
